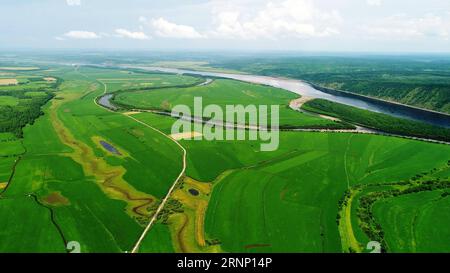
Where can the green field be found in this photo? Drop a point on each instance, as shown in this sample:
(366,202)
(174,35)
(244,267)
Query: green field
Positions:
(60,171)
(306,176)
(73,187)
(226,92)
(8,101)
(306,186)
(413,223)
(118,80)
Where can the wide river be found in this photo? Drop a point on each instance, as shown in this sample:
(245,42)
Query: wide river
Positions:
(304,89)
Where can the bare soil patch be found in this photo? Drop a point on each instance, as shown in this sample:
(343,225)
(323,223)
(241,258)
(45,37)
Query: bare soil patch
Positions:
(188,135)
(49,79)
(56,199)
(8,82)
(297,103)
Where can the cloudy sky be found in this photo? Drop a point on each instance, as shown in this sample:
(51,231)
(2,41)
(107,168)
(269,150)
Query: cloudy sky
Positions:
(300,25)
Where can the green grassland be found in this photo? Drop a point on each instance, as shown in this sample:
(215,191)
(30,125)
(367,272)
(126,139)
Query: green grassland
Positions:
(97,198)
(307,187)
(225,92)
(381,212)
(35,229)
(414,223)
(8,101)
(6,164)
(21,104)
(11,149)
(74,189)
(305,179)
(118,80)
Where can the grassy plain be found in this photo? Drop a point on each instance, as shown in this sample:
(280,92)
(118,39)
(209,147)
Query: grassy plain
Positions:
(307,187)
(76,190)
(414,223)
(226,92)
(117,79)
(63,161)
(305,179)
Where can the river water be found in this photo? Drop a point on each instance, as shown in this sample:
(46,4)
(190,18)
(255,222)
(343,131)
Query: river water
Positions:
(304,89)
(105,101)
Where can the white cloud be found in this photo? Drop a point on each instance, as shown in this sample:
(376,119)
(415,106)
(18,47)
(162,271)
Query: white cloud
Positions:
(168,29)
(373,2)
(78,34)
(248,19)
(132,35)
(73,2)
(403,27)
(275,20)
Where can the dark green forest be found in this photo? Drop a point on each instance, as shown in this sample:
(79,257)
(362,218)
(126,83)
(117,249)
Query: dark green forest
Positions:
(378,121)
(14,118)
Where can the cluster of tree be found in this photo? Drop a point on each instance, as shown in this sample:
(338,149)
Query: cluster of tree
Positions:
(173,206)
(379,121)
(368,224)
(14,118)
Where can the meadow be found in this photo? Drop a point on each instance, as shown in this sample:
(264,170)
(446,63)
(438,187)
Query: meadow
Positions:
(305,178)
(121,80)
(76,188)
(226,92)
(413,223)
(64,160)
(306,186)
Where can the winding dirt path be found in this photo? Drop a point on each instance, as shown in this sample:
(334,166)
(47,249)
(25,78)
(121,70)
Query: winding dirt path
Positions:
(295,105)
(169,193)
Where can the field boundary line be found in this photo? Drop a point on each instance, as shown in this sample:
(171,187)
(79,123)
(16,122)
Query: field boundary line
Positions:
(172,188)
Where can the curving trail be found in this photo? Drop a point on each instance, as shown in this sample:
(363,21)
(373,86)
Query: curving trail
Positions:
(169,193)
(295,105)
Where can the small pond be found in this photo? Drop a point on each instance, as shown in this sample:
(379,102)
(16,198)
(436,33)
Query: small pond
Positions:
(110,148)
(194,192)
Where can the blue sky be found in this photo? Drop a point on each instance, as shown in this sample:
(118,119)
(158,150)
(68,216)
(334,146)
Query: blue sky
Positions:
(300,25)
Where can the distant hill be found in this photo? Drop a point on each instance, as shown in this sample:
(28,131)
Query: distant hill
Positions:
(422,81)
